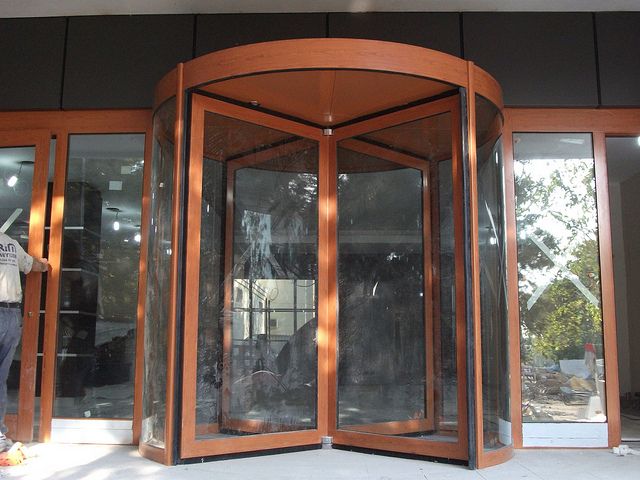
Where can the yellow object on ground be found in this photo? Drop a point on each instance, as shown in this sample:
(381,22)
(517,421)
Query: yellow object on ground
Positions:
(14,456)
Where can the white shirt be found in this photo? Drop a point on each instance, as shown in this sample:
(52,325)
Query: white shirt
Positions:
(13,260)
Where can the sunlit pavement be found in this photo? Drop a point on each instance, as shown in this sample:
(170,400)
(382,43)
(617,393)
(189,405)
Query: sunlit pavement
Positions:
(97,462)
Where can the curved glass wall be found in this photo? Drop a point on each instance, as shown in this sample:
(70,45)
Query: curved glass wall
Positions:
(158,268)
(493,278)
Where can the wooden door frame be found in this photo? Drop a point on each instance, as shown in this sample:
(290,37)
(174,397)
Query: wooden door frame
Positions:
(59,125)
(23,419)
(600,123)
(380,440)
(190,445)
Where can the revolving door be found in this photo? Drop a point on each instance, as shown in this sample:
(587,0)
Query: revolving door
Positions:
(317,250)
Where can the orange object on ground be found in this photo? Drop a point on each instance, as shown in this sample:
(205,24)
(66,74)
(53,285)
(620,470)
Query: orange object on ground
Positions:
(14,456)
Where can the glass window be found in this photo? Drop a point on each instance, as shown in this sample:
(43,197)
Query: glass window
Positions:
(562,358)
(156,311)
(99,277)
(493,279)
(257,351)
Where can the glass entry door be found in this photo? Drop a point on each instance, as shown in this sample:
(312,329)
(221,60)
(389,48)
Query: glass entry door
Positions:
(24,165)
(251,293)
(324,288)
(401,382)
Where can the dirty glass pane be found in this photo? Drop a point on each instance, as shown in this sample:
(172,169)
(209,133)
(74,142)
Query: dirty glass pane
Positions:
(257,352)
(397,324)
(562,358)
(99,277)
(158,267)
(493,278)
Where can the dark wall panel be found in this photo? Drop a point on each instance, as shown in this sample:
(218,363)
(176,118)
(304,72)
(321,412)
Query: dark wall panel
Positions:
(540,59)
(439,31)
(217,32)
(115,62)
(31,53)
(619,57)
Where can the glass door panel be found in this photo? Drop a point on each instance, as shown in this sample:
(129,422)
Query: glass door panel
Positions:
(401,300)
(22,212)
(99,279)
(254,291)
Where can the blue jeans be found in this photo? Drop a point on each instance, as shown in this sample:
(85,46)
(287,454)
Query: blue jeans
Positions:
(10,333)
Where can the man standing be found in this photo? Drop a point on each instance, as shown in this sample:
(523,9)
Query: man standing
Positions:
(13,260)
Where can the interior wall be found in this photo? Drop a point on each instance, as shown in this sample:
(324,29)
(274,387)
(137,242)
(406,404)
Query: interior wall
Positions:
(620,280)
(556,59)
(630,196)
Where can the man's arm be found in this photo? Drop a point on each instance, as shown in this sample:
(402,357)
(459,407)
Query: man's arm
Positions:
(40,265)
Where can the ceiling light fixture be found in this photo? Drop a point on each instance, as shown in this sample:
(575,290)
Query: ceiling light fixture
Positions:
(13,179)
(116,223)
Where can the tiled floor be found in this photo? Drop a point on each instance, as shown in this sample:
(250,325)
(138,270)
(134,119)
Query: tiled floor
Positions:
(99,462)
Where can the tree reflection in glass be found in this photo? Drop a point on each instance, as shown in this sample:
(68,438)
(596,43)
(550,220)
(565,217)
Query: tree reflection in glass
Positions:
(559,279)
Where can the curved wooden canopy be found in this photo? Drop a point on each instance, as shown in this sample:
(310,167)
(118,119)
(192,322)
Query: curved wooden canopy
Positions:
(328,81)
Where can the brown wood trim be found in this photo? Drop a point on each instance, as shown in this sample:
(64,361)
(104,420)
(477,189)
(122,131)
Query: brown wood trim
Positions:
(78,121)
(392,428)
(291,148)
(328,286)
(165,88)
(475,264)
(175,271)
(326,335)
(487,86)
(145,222)
(260,427)
(460,279)
(407,445)
(612,385)
(496,457)
(426,110)
(192,279)
(32,296)
(608,120)
(152,453)
(384,153)
(251,443)
(207,429)
(325,53)
(258,118)
(512,289)
(53,288)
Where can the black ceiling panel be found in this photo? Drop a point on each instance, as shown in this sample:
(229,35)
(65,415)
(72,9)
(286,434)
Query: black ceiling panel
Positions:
(439,31)
(116,61)
(619,57)
(31,71)
(540,59)
(217,32)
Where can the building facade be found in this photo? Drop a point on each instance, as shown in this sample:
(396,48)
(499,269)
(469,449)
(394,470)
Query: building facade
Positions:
(99,126)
